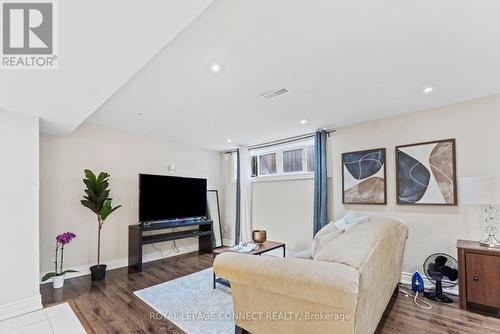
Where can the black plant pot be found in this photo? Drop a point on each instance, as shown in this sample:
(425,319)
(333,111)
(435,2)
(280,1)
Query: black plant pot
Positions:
(98,273)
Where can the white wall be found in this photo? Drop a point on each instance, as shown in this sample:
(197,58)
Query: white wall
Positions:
(124,156)
(19,145)
(474,124)
(285,207)
(291,216)
(282,208)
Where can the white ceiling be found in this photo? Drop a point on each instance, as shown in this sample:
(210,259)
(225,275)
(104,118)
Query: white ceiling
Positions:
(102,43)
(343,62)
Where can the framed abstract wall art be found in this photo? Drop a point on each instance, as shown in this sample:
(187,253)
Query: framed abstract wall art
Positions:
(363,177)
(426,173)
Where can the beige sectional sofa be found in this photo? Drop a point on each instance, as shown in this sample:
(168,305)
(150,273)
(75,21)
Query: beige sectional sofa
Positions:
(345,288)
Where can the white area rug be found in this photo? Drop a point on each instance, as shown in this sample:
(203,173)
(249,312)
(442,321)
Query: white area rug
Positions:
(191,303)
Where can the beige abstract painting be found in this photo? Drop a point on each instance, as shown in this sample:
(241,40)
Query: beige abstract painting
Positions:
(363,177)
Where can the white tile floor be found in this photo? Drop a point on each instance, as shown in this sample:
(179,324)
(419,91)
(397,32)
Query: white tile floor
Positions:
(59,319)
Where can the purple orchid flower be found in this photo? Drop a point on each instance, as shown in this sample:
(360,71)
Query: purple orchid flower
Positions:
(65,238)
(61,240)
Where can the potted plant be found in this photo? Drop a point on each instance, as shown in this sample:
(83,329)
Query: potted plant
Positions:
(58,275)
(98,201)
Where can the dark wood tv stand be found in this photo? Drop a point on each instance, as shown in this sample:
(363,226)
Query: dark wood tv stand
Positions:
(203,229)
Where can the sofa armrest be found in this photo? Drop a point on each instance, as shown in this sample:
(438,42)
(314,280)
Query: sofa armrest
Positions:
(326,283)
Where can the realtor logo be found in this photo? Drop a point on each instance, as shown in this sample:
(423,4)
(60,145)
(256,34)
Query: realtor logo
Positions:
(28,35)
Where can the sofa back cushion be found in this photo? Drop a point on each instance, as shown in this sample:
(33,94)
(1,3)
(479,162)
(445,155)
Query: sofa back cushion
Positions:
(354,246)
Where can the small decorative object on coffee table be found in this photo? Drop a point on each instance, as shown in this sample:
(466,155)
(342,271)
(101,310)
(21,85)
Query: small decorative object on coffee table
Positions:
(259,236)
(266,246)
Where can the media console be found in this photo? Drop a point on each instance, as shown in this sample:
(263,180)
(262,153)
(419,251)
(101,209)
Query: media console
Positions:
(203,229)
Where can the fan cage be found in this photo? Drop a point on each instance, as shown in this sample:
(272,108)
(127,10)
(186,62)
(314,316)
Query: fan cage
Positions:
(450,261)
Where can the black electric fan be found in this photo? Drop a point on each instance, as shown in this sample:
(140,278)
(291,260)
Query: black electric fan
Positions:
(442,270)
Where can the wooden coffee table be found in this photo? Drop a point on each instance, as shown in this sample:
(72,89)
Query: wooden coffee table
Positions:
(265,247)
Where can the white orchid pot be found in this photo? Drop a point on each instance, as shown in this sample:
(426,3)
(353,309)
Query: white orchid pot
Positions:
(58,281)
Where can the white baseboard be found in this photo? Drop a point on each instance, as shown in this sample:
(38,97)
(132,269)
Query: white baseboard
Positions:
(406,279)
(123,262)
(20,307)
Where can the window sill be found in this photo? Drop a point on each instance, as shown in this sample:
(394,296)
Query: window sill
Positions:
(284,177)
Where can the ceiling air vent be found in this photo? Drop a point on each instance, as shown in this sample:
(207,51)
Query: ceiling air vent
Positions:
(274,93)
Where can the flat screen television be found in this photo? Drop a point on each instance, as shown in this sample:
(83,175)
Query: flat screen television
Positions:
(163,198)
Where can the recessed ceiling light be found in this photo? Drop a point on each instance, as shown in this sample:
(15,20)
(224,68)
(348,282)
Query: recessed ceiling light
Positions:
(303,121)
(139,114)
(428,90)
(215,67)
(228,140)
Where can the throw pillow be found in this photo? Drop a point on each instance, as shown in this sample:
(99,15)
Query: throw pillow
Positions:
(349,217)
(346,224)
(341,224)
(328,228)
(320,242)
(356,221)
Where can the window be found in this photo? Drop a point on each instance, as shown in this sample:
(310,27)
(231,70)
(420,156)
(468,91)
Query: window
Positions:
(254,166)
(284,160)
(310,159)
(267,164)
(293,161)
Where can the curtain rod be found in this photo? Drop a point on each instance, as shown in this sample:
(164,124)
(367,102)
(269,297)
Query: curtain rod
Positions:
(281,141)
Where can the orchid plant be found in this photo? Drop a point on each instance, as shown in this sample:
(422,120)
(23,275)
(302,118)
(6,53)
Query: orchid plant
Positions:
(61,240)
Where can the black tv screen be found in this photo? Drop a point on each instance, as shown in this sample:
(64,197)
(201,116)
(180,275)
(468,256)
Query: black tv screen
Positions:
(164,198)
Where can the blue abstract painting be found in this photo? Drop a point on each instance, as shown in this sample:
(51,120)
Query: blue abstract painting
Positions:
(426,173)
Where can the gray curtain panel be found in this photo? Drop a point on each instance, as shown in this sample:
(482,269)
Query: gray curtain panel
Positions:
(320,181)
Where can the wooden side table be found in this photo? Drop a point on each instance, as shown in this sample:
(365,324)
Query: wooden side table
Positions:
(479,276)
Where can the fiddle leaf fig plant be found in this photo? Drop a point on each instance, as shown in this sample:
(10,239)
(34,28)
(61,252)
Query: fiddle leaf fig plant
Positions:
(97,199)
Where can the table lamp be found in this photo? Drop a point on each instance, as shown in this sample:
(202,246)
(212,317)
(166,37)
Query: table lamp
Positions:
(483,190)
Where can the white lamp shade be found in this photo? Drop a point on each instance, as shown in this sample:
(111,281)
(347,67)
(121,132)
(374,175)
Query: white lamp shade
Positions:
(480,190)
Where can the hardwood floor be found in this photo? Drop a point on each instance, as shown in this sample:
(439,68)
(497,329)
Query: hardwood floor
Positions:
(111,307)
